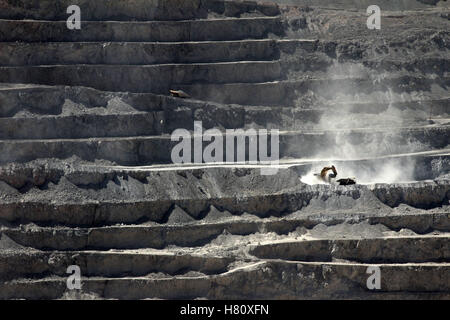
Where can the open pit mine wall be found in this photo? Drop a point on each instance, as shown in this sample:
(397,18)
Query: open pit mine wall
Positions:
(221,232)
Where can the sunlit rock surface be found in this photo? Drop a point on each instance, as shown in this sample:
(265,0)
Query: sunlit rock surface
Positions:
(86,171)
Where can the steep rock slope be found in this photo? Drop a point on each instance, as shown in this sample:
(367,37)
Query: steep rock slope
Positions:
(87,179)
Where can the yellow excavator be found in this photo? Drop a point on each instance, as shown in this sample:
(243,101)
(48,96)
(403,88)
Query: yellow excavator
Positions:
(327,177)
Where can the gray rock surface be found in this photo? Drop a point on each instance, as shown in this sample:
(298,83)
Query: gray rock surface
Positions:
(87,179)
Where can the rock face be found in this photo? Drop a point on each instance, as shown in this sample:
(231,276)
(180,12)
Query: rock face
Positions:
(86,172)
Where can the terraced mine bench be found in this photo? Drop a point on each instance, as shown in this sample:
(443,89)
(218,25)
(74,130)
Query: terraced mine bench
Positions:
(87,179)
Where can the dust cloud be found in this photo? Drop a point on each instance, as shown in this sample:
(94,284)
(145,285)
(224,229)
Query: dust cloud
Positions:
(366,127)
